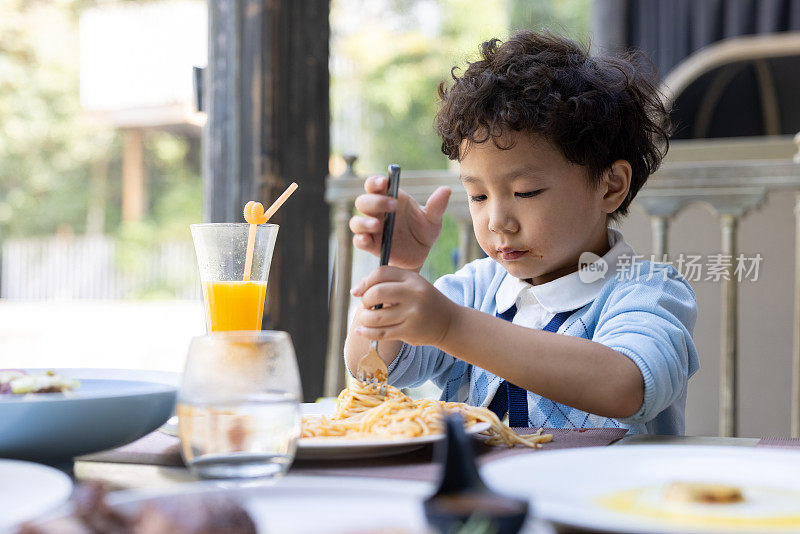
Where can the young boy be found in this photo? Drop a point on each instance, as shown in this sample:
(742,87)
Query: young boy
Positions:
(553,145)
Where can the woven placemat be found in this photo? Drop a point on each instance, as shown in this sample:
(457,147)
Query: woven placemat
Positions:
(784,443)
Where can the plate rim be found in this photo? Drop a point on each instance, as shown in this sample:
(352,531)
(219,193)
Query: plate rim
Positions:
(58,398)
(170,378)
(56,474)
(558,512)
(294,481)
(121,499)
(655,447)
(335,443)
(154,388)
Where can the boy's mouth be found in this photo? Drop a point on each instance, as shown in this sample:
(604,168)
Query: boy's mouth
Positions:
(511,254)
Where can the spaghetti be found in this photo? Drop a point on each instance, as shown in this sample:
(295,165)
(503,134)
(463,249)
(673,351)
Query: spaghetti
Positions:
(362,412)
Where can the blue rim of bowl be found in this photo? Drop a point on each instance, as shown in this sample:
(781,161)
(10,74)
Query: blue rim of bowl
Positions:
(154,388)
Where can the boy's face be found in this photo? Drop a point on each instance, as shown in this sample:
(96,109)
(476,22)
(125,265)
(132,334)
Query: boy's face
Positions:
(534,212)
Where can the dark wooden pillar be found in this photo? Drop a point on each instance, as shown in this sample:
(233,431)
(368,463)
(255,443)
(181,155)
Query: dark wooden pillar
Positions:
(266,95)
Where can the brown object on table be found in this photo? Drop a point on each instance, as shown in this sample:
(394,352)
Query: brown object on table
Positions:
(91,508)
(193,514)
(179,514)
(92,515)
(703,493)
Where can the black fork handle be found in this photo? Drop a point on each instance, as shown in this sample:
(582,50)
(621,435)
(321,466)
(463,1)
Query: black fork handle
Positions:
(388,221)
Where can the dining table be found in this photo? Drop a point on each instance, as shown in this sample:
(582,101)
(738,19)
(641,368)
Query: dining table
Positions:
(154,462)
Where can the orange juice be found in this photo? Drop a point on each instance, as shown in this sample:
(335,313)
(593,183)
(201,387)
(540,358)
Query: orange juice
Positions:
(234,305)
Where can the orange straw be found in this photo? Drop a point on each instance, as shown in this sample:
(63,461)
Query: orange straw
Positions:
(255,215)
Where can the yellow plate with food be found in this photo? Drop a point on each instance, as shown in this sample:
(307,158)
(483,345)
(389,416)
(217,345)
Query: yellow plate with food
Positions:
(659,488)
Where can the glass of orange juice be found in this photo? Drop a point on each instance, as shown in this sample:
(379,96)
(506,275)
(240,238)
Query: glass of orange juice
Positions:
(231,303)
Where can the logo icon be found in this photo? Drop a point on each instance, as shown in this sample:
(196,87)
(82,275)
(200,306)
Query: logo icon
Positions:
(591,267)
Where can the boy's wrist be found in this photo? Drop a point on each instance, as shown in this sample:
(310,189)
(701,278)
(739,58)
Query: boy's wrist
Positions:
(414,268)
(453,317)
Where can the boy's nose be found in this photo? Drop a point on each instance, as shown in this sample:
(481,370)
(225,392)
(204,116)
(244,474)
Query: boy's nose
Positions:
(502,221)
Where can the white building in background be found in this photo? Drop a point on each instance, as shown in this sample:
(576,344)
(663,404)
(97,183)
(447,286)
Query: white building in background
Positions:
(136,62)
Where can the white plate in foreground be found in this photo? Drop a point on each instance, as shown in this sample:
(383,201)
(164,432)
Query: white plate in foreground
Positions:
(317,505)
(344,448)
(620,488)
(29,490)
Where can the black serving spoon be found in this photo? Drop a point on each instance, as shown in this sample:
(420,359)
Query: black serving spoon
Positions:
(462,496)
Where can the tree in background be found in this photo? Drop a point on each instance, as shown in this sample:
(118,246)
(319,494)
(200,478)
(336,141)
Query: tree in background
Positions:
(388,58)
(47,150)
(397,53)
(59,171)
(568,17)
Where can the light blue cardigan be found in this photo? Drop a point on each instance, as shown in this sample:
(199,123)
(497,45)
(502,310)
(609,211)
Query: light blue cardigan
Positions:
(648,317)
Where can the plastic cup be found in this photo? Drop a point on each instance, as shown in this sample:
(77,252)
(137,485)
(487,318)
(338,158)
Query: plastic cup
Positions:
(230,302)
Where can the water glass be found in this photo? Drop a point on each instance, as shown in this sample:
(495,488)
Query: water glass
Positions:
(239,405)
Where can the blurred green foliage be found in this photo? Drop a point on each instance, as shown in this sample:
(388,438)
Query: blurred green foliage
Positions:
(397,64)
(176,185)
(46,149)
(59,170)
(396,53)
(565,17)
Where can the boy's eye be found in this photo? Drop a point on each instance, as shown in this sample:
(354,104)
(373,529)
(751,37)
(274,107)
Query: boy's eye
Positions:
(477,198)
(529,194)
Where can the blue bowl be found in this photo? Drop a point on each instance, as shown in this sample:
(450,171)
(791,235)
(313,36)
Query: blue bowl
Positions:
(102,414)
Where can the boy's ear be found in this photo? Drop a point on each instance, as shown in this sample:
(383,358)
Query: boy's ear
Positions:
(617,181)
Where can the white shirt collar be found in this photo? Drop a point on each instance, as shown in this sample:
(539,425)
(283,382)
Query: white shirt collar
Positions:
(568,292)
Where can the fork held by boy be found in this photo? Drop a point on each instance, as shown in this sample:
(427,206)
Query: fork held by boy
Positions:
(371,368)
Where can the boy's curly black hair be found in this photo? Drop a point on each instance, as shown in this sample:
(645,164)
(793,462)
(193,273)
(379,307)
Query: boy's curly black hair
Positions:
(596,110)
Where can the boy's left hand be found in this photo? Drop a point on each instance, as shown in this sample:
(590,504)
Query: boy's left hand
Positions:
(413,310)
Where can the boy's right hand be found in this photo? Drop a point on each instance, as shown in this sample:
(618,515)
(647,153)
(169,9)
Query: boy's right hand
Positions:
(416,227)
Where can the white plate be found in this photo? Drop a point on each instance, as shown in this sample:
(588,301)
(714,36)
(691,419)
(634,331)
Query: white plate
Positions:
(318,505)
(576,487)
(344,448)
(284,506)
(28,490)
(112,407)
